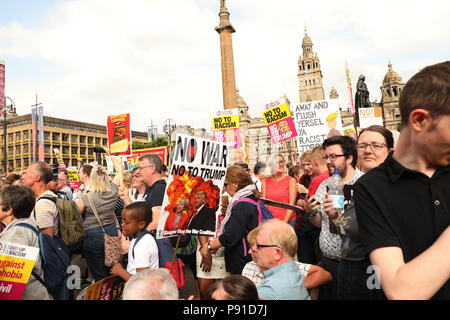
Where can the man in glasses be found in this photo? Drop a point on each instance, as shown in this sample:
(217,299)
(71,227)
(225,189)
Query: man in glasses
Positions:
(340,153)
(150,167)
(274,249)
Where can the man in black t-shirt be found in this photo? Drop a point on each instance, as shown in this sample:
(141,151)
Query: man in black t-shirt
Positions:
(150,167)
(403,206)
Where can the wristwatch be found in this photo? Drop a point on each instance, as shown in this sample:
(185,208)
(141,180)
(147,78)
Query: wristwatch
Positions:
(209,246)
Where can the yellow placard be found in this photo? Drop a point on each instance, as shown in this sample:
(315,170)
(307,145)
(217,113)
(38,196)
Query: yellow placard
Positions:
(225,122)
(277,113)
(14,269)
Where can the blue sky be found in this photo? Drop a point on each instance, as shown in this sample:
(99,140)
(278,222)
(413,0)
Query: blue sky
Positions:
(87,59)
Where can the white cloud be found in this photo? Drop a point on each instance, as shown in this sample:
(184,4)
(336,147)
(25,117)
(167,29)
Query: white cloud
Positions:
(161,59)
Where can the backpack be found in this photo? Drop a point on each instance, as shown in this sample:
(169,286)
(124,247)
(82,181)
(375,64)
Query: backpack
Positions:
(263,215)
(263,212)
(71,228)
(55,259)
(165,248)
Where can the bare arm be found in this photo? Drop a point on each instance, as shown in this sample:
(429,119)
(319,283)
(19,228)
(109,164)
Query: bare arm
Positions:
(316,277)
(421,277)
(48,231)
(292,197)
(155,218)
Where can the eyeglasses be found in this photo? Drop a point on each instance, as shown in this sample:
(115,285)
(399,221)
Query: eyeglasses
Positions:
(375,146)
(333,156)
(259,246)
(140,168)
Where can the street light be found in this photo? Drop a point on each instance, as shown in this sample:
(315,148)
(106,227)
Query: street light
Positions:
(11,109)
(169,126)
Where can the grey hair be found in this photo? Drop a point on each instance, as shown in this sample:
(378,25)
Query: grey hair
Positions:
(154,160)
(151,284)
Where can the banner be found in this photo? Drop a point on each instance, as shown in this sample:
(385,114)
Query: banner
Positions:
(349,86)
(279,121)
(2,86)
(316,121)
(132,160)
(110,288)
(40,115)
(152,133)
(61,164)
(34,132)
(370,116)
(199,167)
(16,263)
(72,173)
(119,135)
(225,126)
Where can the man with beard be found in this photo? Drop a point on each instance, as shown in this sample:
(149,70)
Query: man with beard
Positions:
(340,153)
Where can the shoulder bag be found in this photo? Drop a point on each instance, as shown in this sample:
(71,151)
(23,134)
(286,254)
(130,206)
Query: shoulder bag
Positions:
(112,244)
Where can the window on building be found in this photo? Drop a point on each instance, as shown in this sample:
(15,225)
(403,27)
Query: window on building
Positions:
(395,91)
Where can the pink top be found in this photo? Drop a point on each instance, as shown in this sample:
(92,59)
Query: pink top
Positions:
(278,191)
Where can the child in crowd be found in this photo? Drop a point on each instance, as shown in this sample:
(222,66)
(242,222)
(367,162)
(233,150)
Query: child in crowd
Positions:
(143,251)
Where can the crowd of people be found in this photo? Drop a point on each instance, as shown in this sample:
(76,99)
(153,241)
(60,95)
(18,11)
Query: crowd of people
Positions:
(390,240)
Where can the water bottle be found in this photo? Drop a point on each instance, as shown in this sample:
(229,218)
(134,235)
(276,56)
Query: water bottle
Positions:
(336,192)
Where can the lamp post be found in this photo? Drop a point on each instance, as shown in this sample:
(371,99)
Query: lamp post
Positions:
(11,108)
(169,126)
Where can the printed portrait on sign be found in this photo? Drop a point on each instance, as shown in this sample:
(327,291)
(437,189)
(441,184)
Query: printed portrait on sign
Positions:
(283,127)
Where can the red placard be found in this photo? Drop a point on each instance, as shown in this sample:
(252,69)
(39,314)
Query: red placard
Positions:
(119,135)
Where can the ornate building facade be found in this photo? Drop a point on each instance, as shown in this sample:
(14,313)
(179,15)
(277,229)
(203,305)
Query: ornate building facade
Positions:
(309,73)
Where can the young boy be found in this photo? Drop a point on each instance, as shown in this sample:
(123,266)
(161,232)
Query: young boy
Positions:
(143,251)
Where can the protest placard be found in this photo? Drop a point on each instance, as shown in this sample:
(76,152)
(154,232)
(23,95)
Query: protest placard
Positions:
(72,173)
(16,263)
(316,121)
(279,121)
(61,164)
(199,166)
(370,116)
(350,131)
(119,135)
(110,288)
(225,126)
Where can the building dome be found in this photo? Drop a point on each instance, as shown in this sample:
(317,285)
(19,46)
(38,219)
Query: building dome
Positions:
(391,76)
(306,40)
(333,93)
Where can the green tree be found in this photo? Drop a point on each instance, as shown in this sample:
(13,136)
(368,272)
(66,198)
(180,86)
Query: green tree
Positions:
(158,142)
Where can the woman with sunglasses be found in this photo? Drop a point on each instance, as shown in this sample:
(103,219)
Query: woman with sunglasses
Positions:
(374,144)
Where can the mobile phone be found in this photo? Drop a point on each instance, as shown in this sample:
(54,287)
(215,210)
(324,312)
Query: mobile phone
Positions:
(302,195)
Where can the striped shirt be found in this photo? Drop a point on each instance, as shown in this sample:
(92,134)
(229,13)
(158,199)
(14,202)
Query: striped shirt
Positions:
(252,271)
(45,212)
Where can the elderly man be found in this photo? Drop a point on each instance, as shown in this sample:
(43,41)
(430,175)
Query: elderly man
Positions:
(63,188)
(402,206)
(274,249)
(45,213)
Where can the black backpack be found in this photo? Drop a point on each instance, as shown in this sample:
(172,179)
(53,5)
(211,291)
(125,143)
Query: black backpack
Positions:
(165,249)
(55,259)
